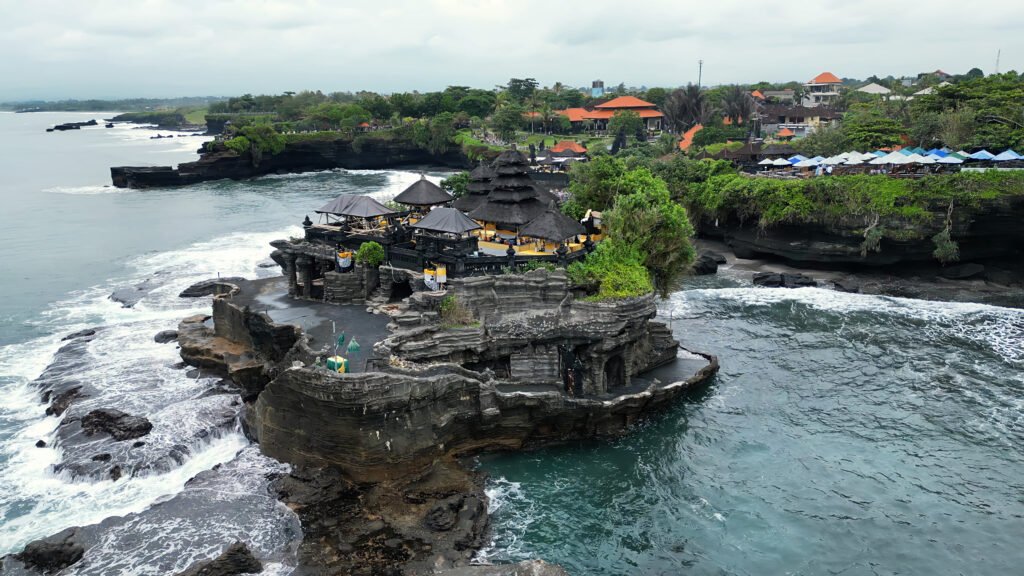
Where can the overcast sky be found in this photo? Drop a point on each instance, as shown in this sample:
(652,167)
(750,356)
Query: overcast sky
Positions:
(105,49)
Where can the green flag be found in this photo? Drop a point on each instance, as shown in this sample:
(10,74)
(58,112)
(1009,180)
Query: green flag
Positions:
(341,339)
(353,346)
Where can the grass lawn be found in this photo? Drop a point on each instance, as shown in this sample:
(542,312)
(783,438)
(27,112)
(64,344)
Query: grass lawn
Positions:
(196,116)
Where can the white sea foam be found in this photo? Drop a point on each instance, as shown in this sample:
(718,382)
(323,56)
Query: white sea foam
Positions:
(1001,329)
(128,371)
(506,499)
(86,190)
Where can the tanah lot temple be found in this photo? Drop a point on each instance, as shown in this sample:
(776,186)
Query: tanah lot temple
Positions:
(504,222)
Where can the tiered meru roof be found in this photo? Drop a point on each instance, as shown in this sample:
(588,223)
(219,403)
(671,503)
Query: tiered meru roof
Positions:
(513,199)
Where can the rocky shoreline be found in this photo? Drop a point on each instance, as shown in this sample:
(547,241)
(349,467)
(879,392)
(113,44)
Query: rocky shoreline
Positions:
(304,156)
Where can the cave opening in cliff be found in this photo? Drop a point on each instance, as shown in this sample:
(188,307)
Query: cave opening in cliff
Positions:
(501,366)
(614,372)
(400,291)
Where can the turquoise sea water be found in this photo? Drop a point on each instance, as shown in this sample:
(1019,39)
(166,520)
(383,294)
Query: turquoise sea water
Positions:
(845,434)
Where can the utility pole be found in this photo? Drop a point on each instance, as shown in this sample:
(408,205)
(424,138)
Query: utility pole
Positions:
(999,53)
(700,71)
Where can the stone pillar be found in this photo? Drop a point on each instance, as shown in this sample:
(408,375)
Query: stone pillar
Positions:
(305,269)
(291,272)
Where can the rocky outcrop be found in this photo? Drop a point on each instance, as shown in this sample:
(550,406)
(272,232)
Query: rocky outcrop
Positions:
(53,553)
(214,286)
(236,559)
(989,232)
(416,526)
(117,424)
(773,280)
(306,156)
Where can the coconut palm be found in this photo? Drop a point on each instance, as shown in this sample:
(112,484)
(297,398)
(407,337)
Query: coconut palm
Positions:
(737,104)
(686,107)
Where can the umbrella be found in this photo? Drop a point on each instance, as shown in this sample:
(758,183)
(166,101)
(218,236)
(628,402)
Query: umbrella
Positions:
(879,153)
(766,162)
(982,155)
(797,158)
(853,162)
(951,159)
(833,161)
(845,155)
(809,163)
(1006,155)
(905,151)
(781,162)
(917,158)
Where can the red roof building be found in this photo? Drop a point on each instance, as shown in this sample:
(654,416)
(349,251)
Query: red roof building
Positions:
(602,113)
(823,90)
(757,95)
(569,145)
(785,133)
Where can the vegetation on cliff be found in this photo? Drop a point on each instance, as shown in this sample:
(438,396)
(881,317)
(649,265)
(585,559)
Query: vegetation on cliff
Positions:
(644,226)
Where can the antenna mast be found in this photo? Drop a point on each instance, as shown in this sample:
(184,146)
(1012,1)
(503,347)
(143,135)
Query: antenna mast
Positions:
(999,53)
(700,71)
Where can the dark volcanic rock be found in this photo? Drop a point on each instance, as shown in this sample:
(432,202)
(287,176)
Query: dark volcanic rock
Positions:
(962,271)
(773,280)
(237,559)
(165,336)
(62,401)
(101,457)
(53,553)
(211,287)
(704,265)
(80,334)
(718,258)
(41,444)
(119,425)
(846,285)
(131,295)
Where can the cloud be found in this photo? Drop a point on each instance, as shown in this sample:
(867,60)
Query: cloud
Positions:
(106,48)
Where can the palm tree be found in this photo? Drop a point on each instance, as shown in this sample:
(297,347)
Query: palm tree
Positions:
(687,107)
(737,104)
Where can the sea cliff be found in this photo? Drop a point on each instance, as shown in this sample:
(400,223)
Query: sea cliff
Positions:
(378,481)
(298,155)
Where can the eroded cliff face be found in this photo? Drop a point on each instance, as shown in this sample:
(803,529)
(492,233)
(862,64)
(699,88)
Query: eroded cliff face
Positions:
(307,156)
(989,232)
(377,481)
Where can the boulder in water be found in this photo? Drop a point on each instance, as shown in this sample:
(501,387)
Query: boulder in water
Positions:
(774,280)
(165,336)
(119,425)
(705,265)
(237,559)
(211,287)
(52,553)
(531,567)
(718,258)
(41,444)
(80,334)
(61,402)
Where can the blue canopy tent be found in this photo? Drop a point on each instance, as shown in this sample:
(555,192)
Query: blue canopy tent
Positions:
(982,155)
(797,158)
(1005,156)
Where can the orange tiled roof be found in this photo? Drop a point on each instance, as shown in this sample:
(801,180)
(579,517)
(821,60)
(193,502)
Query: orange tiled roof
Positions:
(757,94)
(364,124)
(785,133)
(568,145)
(574,114)
(625,102)
(607,114)
(826,78)
(687,140)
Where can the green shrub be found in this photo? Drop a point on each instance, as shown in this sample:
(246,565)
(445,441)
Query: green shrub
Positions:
(454,314)
(456,184)
(370,253)
(946,249)
(615,268)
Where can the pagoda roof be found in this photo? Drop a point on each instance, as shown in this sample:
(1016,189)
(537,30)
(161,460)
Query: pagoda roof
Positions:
(448,220)
(552,225)
(423,192)
(568,145)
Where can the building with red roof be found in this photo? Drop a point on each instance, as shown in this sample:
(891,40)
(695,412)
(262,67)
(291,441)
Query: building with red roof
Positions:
(823,90)
(568,145)
(602,113)
(785,133)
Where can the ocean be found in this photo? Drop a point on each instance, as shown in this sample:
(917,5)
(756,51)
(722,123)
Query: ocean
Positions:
(844,434)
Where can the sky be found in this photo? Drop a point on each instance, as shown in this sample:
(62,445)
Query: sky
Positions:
(165,48)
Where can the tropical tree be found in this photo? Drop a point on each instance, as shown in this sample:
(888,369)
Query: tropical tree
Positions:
(626,122)
(687,107)
(737,104)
